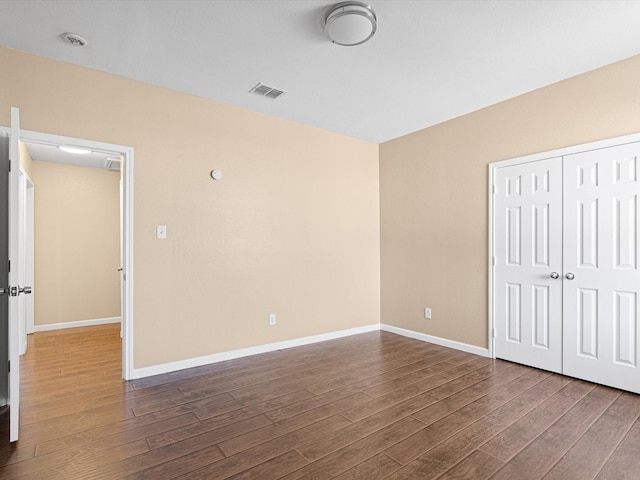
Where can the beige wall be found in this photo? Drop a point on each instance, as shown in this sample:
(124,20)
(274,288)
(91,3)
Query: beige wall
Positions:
(295,226)
(77,243)
(433,189)
(291,229)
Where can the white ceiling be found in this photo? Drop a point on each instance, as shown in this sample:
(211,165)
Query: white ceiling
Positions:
(40,152)
(428,62)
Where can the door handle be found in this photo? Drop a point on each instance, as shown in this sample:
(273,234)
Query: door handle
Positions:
(15,291)
(120,269)
(555,275)
(569,276)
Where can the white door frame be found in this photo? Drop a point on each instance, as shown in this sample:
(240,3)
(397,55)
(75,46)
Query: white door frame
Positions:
(25,222)
(28,136)
(29,250)
(493,166)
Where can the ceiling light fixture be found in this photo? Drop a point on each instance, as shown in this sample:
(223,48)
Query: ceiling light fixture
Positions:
(350,23)
(74,39)
(75,150)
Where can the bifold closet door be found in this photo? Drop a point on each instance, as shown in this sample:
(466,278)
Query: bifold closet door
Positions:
(601,280)
(528,263)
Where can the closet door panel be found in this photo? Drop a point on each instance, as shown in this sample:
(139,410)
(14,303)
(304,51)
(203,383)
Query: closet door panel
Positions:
(601,278)
(528,247)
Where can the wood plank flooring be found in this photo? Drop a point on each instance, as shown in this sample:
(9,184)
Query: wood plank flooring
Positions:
(370,406)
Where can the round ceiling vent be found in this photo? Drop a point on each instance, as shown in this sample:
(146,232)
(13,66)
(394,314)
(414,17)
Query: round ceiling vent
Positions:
(74,39)
(350,23)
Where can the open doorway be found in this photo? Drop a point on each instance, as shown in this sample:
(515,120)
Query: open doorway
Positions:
(77,248)
(112,302)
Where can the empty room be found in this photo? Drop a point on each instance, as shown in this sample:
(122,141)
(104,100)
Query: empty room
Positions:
(388,240)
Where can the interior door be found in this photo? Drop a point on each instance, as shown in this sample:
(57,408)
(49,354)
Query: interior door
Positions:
(15,289)
(601,276)
(4,289)
(528,262)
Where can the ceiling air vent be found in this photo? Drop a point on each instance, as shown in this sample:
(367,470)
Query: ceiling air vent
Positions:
(112,164)
(267,91)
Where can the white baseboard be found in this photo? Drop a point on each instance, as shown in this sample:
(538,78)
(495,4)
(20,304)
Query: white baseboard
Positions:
(79,323)
(245,352)
(465,347)
(271,347)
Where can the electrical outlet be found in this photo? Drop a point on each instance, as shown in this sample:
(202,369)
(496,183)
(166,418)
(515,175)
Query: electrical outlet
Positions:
(427,313)
(272,319)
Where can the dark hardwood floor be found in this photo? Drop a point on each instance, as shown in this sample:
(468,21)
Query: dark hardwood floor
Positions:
(370,406)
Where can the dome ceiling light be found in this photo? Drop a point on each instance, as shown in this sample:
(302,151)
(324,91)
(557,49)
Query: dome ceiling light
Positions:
(350,23)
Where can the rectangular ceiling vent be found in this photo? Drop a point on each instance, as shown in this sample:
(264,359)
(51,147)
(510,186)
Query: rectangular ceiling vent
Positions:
(112,164)
(267,91)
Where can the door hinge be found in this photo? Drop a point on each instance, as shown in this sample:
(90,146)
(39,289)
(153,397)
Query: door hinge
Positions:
(494,333)
(9,265)
(493,260)
(9,366)
(493,189)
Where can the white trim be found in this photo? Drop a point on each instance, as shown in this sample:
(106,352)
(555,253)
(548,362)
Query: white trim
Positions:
(79,323)
(564,151)
(491,263)
(127,210)
(560,152)
(127,272)
(465,347)
(298,342)
(29,247)
(245,352)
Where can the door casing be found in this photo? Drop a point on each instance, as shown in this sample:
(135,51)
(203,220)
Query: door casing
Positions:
(25,260)
(127,154)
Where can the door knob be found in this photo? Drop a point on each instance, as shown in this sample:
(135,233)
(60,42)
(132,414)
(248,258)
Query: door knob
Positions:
(555,275)
(26,290)
(4,291)
(569,276)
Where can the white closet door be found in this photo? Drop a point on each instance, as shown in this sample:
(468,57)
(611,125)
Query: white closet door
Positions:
(601,278)
(528,255)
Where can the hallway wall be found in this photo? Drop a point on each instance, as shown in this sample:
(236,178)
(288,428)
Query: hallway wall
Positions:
(76,243)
